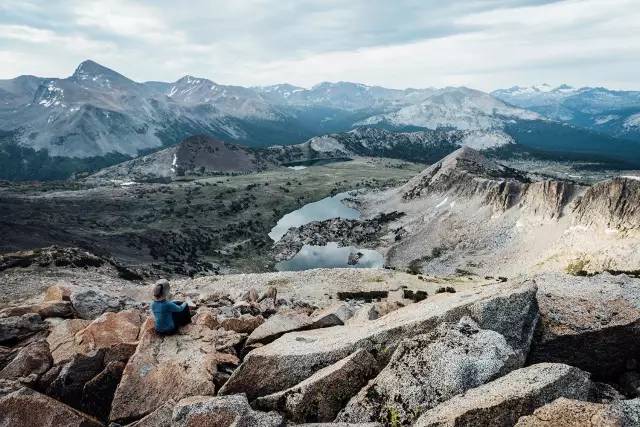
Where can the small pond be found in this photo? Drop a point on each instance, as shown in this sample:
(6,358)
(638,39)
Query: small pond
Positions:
(330,255)
(327,208)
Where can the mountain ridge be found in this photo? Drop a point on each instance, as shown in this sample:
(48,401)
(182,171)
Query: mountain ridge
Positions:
(97,115)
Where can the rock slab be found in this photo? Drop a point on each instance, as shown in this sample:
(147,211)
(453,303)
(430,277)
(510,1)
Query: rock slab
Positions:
(321,396)
(164,368)
(574,413)
(599,315)
(226,411)
(508,309)
(429,369)
(26,407)
(503,401)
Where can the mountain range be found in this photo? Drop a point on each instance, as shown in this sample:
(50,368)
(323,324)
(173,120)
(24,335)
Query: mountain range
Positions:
(51,128)
(615,113)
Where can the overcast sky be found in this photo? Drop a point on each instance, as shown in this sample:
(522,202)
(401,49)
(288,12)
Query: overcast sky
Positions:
(485,44)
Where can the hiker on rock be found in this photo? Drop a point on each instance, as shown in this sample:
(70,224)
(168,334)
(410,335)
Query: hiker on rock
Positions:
(169,315)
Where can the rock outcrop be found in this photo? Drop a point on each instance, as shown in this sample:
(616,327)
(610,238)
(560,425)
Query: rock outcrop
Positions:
(347,232)
(62,339)
(294,357)
(321,396)
(547,199)
(277,325)
(429,369)
(26,407)
(589,322)
(503,401)
(33,359)
(164,368)
(467,173)
(613,204)
(45,309)
(574,413)
(225,411)
(91,303)
(18,327)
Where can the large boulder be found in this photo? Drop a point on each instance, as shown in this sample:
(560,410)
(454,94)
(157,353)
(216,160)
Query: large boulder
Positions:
(334,315)
(245,324)
(161,417)
(321,396)
(33,359)
(26,407)
(508,309)
(57,293)
(90,303)
(277,325)
(164,368)
(15,328)
(62,341)
(574,413)
(71,379)
(598,315)
(428,369)
(117,333)
(503,401)
(225,411)
(44,309)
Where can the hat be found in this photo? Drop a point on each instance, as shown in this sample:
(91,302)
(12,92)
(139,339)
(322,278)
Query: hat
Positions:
(161,289)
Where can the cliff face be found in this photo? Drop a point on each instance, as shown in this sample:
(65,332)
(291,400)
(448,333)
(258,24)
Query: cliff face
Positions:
(466,173)
(548,198)
(614,204)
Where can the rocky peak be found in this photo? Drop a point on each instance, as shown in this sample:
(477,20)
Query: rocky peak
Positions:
(467,173)
(454,173)
(91,70)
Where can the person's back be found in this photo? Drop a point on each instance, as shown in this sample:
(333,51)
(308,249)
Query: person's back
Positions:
(163,313)
(168,315)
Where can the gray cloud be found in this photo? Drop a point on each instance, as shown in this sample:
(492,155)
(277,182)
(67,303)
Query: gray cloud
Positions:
(480,43)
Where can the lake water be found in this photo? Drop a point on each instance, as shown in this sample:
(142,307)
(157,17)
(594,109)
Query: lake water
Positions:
(327,208)
(330,255)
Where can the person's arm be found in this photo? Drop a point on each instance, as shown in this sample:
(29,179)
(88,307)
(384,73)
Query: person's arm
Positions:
(173,307)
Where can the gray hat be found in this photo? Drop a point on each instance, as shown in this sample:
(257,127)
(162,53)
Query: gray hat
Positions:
(161,289)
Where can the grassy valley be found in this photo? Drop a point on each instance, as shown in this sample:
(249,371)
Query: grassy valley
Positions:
(195,224)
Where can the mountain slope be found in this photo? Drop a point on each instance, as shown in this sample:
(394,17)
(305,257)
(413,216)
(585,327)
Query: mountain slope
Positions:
(196,155)
(469,213)
(457,108)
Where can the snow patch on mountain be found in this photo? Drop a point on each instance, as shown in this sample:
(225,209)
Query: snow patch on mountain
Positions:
(632,121)
(600,120)
(53,96)
(485,140)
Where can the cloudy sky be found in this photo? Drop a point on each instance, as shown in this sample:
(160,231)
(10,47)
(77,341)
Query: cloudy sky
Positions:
(485,44)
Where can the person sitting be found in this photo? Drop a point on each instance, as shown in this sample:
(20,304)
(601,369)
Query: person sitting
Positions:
(169,315)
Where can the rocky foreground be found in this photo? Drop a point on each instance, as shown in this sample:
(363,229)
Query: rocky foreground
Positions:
(554,350)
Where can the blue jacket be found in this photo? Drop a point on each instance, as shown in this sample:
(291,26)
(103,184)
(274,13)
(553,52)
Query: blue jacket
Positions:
(162,312)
